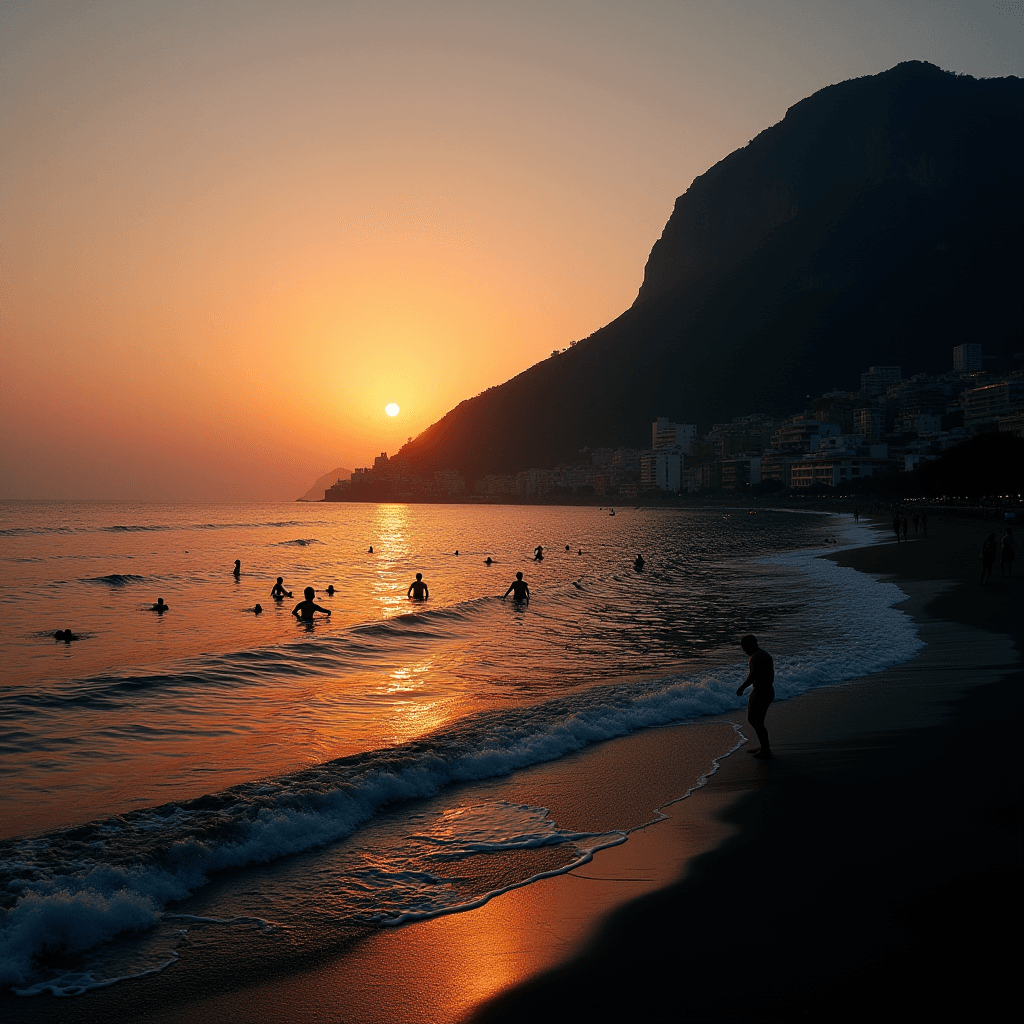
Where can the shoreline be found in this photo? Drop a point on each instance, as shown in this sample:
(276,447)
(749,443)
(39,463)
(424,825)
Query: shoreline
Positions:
(452,966)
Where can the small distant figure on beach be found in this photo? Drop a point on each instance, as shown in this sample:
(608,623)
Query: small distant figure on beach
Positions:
(159,607)
(638,562)
(370,552)
(418,589)
(538,554)
(237,571)
(761,676)
(278,593)
(488,560)
(330,590)
(65,635)
(519,590)
(304,609)
(258,610)
(856,514)
(896,526)
(1007,553)
(988,557)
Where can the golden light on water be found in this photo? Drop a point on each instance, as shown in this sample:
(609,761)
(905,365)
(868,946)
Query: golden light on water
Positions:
(391,409)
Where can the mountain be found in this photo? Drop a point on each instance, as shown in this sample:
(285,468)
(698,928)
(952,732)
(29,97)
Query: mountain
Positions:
(316,492)
(877,223)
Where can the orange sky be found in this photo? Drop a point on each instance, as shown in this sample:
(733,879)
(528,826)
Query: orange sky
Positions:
(232,232)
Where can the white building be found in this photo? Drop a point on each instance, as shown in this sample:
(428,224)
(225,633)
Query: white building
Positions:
(671,435)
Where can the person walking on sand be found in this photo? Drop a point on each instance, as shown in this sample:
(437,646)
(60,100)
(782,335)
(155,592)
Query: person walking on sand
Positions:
(988,557)
(278,593)
(760,676)
(418,590)
(519,589)
(1007,553)
(304,609)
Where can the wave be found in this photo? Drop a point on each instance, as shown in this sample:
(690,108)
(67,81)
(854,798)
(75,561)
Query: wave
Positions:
(132,529)
(76,888)
(115,579)
(298,543)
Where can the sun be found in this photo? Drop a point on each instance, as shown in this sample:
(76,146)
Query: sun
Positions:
(391,409)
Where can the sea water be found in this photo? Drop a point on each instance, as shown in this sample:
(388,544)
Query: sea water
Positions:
(210,768)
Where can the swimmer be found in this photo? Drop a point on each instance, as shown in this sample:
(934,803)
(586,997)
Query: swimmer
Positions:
(566,547)
(370,552)
(538,554)
(638,563)
(237,571)
(330,590)
(66,635)
(159,606)
(304,609)
(580,552)
(456,551)
(418,589)
(278,593)
(258,610)
(488,560)
(519,589)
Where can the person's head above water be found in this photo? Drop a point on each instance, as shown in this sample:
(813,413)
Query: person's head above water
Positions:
(519,575)
(330,589)
(749,643)
(419,575)
(258,609)
(309,593)
(280,579)
(238,562)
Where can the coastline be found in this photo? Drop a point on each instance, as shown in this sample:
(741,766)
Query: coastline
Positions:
(453,966)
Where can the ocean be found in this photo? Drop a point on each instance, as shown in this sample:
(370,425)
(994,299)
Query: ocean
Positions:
(173,784)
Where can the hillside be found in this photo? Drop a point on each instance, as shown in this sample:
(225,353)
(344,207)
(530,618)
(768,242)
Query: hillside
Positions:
(316,492)
(877,223)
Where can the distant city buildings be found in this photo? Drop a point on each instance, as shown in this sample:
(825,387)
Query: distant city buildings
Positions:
(842,437)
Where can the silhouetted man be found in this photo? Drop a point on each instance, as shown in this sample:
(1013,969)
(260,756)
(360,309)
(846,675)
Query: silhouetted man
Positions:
(159,607)
(761,676)
(304,609)
(418,589)
(237,571)
(277,592)
(519,590)
(638,563)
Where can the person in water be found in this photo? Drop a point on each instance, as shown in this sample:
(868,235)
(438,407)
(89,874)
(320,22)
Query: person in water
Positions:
(278,593)
(304,609)
(66,635)
(760,676)
(159,606)
(519,589)
(488,560)
(237,571)
(330,590)
(638,562)
(418,590)
(538,554)
(370,552)
(258,610)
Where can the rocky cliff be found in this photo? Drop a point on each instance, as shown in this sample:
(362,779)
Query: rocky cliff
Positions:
(878,222)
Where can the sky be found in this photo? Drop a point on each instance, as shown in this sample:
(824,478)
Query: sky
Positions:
(231,233)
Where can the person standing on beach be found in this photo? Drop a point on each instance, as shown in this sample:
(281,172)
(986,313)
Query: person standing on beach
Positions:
(988,557)
(1007,553)
(760,676)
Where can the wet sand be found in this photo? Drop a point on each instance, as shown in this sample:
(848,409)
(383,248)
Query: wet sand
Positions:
(883,837)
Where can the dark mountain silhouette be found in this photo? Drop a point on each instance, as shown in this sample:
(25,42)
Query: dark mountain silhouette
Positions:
(316,491)
(878,223)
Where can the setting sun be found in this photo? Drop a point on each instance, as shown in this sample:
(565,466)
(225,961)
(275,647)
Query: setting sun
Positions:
(391,409)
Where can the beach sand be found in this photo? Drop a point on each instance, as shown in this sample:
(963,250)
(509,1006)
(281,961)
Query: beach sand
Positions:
(880,842)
